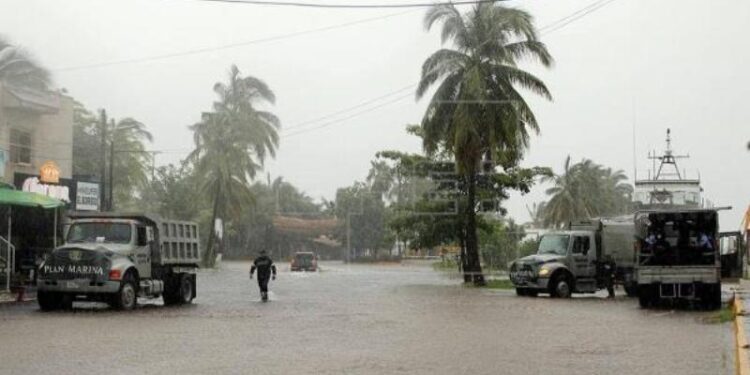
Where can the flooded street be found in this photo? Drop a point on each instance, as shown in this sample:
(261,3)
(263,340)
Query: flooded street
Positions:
(363,319)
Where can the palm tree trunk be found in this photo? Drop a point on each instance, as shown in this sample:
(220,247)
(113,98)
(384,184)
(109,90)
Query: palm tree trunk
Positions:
(473,270)
(209,258)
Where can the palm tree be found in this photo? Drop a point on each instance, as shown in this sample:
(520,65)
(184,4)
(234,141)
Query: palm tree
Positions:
(568,200)
(586,190)
(18,68)
(231,145)
(476,109)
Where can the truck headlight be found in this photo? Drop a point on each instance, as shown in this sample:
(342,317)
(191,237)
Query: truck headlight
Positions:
(544,272)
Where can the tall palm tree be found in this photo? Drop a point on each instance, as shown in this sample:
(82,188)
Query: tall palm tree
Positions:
(231,145)
(476,109)
(18,68)
(568,200)
(586,190)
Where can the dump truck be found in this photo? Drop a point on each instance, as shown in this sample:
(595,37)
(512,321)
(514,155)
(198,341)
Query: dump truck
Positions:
(574,260)
(678,256)
(117,258)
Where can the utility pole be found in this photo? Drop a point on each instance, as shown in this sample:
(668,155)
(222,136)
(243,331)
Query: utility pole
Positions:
(110,205)
(348,236)
(103,159)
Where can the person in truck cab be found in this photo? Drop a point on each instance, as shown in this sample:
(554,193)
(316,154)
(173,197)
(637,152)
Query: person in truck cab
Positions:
(266,269)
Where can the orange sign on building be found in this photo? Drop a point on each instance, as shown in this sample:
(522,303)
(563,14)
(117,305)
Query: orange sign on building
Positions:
(49,173)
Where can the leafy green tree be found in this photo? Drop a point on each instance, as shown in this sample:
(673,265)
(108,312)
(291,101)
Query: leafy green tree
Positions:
(127,138)
(18,68)
(173,193)
(231,145)
(365,213)
(476,110)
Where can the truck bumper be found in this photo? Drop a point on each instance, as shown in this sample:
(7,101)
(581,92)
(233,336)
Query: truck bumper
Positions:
(537,284)
(78,286)
(678,275)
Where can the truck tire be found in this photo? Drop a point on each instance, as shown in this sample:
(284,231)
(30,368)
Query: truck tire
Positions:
(646,296)
(187,287)
(48,301)
(631,289)
(711,296)
(560,286)
(521,292)
(171,290)
(127,297)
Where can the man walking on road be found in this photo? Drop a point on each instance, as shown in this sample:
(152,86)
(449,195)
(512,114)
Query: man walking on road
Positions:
(265,268)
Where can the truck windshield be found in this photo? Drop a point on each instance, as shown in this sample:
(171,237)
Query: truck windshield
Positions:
(554,244)
(110,232)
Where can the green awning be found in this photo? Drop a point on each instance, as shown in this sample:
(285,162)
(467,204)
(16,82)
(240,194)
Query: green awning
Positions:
(25,199)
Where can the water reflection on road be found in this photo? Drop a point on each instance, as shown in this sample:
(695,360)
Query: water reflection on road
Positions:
(371,319)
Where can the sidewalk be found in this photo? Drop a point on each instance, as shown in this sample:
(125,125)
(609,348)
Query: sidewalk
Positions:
(6,297)
(742,325)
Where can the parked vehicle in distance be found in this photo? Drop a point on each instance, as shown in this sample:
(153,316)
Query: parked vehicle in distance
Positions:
(116,258)
(678,256)
(304,261)
(572,261)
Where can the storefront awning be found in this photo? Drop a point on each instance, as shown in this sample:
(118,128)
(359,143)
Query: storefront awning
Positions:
(21,198)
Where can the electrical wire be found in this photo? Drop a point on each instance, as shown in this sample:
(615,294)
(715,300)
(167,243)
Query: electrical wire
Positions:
(225,46)
(352,6)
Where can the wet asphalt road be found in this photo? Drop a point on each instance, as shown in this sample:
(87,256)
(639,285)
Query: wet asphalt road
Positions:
(362,320)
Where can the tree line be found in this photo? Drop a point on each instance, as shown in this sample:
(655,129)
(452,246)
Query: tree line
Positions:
(474,132)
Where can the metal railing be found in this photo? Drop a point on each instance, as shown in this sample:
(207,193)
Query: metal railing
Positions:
(7,261)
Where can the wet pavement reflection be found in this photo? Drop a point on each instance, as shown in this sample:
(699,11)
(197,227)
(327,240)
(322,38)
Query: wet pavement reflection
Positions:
(363,319)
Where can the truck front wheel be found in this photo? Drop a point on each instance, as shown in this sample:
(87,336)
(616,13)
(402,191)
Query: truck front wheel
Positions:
(49,301)
(560,287)
(127,297)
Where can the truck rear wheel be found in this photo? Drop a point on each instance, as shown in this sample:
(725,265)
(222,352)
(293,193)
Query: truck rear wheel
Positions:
(48,301)
(711,296)
(631,289)
(646,296)
(127,297)
(187,288)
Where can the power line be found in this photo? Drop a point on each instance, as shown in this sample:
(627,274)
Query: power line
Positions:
(575,16)
(352,6)
(333,114)
(355,114)
(225,46)
(544,30)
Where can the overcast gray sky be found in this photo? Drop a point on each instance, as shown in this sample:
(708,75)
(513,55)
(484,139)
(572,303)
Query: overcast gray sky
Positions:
(656,64)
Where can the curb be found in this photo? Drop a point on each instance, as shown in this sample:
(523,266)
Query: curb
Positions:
(742,357)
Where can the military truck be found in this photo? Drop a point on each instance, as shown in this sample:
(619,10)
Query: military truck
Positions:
(119,257)
(678,256)
(575,260)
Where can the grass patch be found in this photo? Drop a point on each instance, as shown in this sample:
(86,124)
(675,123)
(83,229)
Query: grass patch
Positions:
(446,265)
(725,315)
(499,284)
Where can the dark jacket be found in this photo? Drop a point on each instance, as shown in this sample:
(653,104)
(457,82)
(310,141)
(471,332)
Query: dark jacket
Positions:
(265,267)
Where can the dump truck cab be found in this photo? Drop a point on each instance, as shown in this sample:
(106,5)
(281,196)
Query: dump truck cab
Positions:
(565,263)
(588,256)
(118,257)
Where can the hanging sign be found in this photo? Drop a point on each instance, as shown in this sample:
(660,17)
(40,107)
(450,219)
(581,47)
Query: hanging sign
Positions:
(49,173)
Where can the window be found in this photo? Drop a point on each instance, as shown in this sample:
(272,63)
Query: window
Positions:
(182,231)
(142,238)
(20,146)
(581,245)
(166,229)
